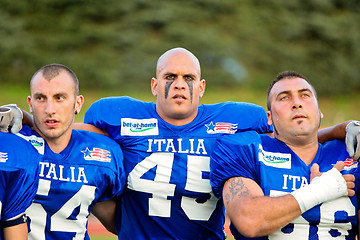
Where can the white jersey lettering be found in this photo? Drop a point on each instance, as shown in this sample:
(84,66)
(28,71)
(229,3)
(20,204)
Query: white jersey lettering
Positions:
(192,146)
(62,173)
(292,181)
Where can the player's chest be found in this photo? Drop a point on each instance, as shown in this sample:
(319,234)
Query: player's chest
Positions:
(61,181)
(279,181)
(71,173)
(179,161)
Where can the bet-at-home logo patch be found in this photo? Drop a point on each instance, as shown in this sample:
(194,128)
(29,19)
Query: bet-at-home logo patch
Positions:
(274,159)
(139,127)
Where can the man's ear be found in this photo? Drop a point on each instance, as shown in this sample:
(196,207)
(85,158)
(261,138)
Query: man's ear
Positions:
(202,87)
(154,85)
(78,104)
(29,103)
(268,113)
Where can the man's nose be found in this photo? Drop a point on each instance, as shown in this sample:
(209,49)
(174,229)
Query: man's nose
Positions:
(296,103)
(180,83)
(50,107)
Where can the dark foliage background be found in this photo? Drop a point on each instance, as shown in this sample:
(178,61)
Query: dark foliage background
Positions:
(114,44)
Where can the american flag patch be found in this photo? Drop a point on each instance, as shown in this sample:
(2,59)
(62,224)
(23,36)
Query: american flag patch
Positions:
(97,154)
(3,157)
(221,127)
(350,164)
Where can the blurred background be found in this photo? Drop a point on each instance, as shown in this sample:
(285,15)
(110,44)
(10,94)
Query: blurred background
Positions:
(113,46)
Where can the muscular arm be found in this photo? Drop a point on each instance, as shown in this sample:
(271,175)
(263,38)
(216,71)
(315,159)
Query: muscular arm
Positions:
(18,232)
(105,212)
(254,214)
(335,132)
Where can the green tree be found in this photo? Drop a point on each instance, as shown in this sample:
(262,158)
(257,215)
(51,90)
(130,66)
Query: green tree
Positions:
(114,44)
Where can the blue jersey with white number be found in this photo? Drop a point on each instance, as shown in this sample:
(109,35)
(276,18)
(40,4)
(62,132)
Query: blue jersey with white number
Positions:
(89,170)
(18,175)
(168,195)
(278,170)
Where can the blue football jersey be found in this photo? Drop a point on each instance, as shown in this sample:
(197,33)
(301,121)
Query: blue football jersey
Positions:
(168,194)
(278,171)
(18,175)
(89,170)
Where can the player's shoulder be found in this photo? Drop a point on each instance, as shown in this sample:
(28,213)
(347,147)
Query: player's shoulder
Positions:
(240,139)
(119,102)
(232,154)
(236,106)
(94,138)
(334,147)
(9,138)
(112,109)
(336,143)
(17,152)
(236,111)
(14,142)
(267,140)
(95,149)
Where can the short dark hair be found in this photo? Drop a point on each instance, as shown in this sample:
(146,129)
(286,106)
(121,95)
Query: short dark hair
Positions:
(52,70)
(286,75)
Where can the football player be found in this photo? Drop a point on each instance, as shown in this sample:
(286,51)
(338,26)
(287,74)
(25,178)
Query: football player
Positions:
(19,163)
(274,188)
(166,151)
(77,168)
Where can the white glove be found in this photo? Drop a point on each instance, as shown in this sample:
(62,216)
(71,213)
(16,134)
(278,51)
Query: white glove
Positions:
(353,139)
(10,118)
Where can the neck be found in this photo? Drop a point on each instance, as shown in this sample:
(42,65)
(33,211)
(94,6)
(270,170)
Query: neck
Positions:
(305,150)
(59,143)
(178,120)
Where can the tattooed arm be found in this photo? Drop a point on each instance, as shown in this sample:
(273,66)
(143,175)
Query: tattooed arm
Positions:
(254,214)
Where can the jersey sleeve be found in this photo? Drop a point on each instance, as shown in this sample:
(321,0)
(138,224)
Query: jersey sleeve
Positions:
(247,116)
(261,125)
(116,180)
(21,180)
(233,156)
(254,118)
(107,112)
(97,113)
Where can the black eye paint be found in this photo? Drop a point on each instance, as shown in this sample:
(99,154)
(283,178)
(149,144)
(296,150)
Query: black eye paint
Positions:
(191,89)
(189,83)
(167,87)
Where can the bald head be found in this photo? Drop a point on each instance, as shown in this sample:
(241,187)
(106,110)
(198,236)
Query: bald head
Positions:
(179,53)
(178,86)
